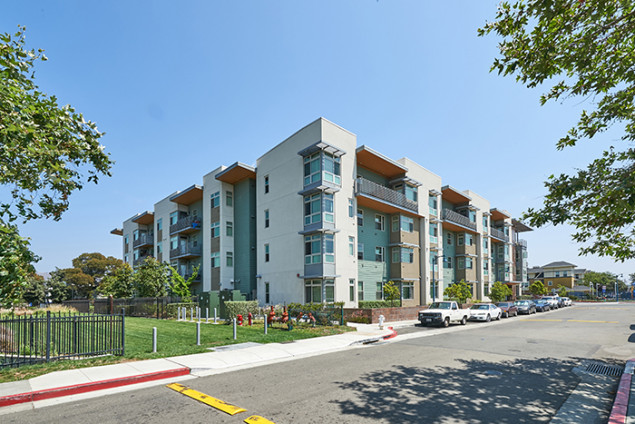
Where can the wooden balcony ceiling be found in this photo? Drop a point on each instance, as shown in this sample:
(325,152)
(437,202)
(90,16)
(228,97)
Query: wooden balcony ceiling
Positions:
(454,196)
(189,195)
(236,173)
(144,218)
(380,206)
(498,215)
(520,227)
(451,226)
(378,163)
(117,231)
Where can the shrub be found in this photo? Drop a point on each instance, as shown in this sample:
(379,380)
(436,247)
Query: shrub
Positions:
(373,304)
(241,307)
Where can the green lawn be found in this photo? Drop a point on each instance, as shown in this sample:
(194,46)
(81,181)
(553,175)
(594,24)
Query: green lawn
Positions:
(173,339)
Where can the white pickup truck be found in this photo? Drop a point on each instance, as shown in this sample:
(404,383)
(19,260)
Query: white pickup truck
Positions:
(443,313)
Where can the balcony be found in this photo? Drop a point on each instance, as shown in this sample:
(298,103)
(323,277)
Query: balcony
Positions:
(456,218)
(144,240)
(186,225)
(140,260)
(498,234)
(196,279)
(384,194)
(185,251)
(522,243)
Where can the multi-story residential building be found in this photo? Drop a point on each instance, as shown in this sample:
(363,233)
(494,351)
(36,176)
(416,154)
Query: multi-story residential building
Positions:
(320,219)
(554,274)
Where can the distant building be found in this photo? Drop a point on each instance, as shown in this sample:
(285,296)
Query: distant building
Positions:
(556,274)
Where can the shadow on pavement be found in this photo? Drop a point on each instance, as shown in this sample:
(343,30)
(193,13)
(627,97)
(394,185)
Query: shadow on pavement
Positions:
(516,391)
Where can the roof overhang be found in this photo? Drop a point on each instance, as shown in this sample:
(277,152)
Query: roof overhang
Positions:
(498,215)
(406,180)
(519,227)
(236,173)
(144,218)
(378,163)
(453,195)
(322,146)
(381,206)
(117,231)
(188,196)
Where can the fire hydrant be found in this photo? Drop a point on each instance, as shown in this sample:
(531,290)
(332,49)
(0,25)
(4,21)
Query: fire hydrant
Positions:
(381,322)
(239,318)
(250,318)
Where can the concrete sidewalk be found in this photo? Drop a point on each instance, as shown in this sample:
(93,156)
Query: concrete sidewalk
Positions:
(69,385)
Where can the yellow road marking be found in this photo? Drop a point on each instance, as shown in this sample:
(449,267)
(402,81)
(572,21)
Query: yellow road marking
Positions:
(257,419)
(208,400)
(584,320)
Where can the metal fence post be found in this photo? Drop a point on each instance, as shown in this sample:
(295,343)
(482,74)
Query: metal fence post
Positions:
(48,336)
(198,334)
(123,331)
(154,340)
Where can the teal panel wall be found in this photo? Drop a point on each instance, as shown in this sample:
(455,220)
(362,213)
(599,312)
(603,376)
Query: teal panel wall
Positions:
(369,175)
(370,271)
(244,236)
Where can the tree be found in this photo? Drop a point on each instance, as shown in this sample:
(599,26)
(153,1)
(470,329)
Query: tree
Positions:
(152,278)
(97,266)
(561,290)
(580,49)
(34,292)
(391,292)
(499,292)
(81,285)
(179,286)
(45,152)
(118,284)
(537,288)
(57,287)
(460,291)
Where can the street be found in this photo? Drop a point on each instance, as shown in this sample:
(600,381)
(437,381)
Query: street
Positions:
(517,370)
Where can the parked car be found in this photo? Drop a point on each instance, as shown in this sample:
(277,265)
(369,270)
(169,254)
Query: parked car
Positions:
(525,306)
(553,301)
(567,301)
(543,305)
(508,309)
(485,312)
(443,313)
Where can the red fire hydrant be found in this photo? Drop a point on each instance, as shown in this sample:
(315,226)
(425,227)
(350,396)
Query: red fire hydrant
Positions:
(250,318)
(239,318)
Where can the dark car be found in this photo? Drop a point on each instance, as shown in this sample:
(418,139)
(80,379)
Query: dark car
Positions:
(543,305)
(508,308)
(525,306)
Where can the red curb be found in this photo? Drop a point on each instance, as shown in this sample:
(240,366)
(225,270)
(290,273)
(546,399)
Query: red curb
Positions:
(89,387)
(391,335)
(620,405)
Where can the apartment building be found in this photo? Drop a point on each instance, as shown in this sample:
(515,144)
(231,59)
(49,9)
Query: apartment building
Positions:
(554,274)
(321,219)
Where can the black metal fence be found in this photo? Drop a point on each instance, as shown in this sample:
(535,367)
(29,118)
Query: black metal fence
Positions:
(146,307)
(42,338)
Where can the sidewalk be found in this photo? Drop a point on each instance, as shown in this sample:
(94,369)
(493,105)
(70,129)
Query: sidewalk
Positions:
(62,386)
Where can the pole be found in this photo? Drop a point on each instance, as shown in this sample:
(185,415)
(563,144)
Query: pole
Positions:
(234,328)
(198,334)
(215,316)
(154,340)
(265,324)
(206,315)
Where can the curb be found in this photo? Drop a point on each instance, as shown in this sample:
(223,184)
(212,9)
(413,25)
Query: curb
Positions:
(620,405)
(391,335)
(89,387)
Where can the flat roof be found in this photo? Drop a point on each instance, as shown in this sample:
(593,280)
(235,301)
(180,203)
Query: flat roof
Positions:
(188,196)
(497,214)
(378,163)
(520,227)
(453,195)
(144,218)
(117,231)
(236,173)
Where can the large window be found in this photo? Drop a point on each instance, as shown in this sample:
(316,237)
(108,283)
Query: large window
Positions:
(215,259)
(408,291)
(215,200)
(380,222)
(313,249)
(313,291)
(174,216)
(332,169)
(407,224)
(329,248)
(434,231)
(229,198)
(403,254)
(328,207)
(360,290)
(174,242)
(311,169)
(380,253)
(465,262)
(314,205)
(469,240)
(411,192)
(215,229)
(432,203)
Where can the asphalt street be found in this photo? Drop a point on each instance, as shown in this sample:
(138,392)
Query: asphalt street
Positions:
(518,370)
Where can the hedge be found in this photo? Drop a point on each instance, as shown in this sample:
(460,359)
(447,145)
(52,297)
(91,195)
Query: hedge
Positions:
(374,304)
(241,307)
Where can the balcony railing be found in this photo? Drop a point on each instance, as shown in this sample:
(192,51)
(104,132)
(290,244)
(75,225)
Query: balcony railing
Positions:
(522,243)
(457,218)
(386,194)
(143,240)
(197,278)
(496,233)
(191,223)
(185,251)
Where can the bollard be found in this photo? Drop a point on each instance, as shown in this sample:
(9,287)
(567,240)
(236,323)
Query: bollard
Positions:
(234,328)
(178,314)
(184,313)
(381,322)
(265,325)
(191,314)
(154,340)
(214,315)
(198,313)
(198,334)
(206,315)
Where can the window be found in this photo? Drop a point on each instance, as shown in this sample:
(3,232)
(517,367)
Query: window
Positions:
(379,293)
(360,290)
(485,222)
(230,258)
(460,263)
(360,217)
(396,252)
(403,254)
(267,252)
(229,198)
(407,224)
(266,184)
(159,248)
(472,215)
(460,239)
(485,267)
(468,263)
(215,259)
(312,249)
(351,246)
(395,223)
(380,222)
(311,169)
(329,290)
(314,205)
(135,255)
(266,218)
(557,274)
(360,251)
(329,245)
(433,233)
(379,253)
(125,258)
(229,229)
(565,274)
(215,199)
(448,239)
(126,239)
(215,229)
(174,216)
(332,169)
(550,283)
(160,224)
(486,289)
(174,242)
(351,289)
(485,245)
(351,208)
(313,291)
(328,207)
(447,263)
(408,291)
(411,193)
(432,203)
(469,240)
(267,299)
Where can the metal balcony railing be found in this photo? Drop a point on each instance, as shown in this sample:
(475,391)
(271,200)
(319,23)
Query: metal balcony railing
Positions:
(143,240)
(457,218)
(367,187)
(186,223)
(185,250)
(522,243)
(494,232)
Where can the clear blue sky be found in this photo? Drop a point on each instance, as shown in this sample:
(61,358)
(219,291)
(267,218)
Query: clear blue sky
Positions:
(183,87)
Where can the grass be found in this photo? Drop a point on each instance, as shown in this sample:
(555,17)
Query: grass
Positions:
(174,339)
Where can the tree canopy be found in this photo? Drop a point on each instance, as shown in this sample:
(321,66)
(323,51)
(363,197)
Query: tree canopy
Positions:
(460,291)
(580,49)
(537,288)
(499,292)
